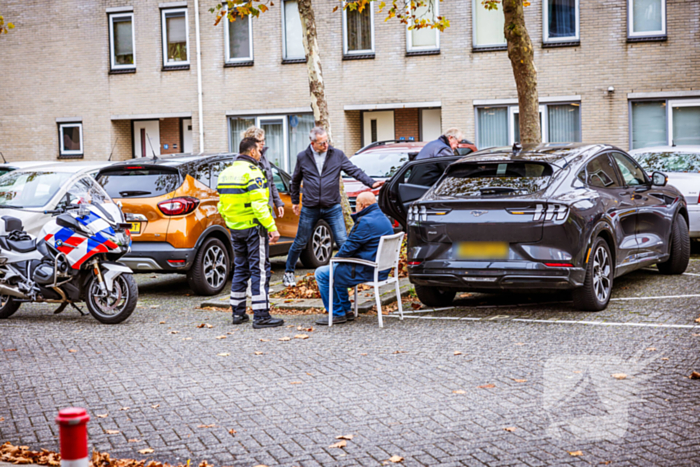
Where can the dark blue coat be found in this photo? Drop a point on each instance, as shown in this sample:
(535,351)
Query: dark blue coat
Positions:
(362,243)
(438,148)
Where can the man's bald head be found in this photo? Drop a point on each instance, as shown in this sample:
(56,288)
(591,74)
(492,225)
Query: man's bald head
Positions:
(364,199)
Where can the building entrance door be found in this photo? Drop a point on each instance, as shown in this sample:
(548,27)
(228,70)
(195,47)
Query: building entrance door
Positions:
(378,126)
(187,135)
(146,138)
(275,139)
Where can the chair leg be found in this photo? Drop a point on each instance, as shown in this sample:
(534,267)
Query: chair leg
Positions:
(398,298)
(356,299)
(379,306)
(330,299)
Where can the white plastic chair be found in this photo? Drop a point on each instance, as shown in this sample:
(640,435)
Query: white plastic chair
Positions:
(387,257)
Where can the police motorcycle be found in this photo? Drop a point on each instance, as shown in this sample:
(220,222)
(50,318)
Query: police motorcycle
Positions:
(73,260)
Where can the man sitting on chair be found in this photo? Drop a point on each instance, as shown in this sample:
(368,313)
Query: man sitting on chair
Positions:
(362,243)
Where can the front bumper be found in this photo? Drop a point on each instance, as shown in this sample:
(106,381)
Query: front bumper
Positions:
(158,257)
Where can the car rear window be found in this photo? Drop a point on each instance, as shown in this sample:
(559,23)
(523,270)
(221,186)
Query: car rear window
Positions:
(139,182)
(479,180)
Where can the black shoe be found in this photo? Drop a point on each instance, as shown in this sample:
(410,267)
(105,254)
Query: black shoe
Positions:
(240,319)
(336,320)
(267,323)
(349,317)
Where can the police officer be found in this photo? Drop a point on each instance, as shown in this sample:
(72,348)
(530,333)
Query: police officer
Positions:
(243,203)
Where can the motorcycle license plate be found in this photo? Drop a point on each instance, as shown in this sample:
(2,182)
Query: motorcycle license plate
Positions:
(482,250)
(135,228)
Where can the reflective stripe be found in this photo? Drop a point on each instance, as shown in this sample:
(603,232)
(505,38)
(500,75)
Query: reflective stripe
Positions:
(231,191)
(235,302)
(237,294)
(259,306)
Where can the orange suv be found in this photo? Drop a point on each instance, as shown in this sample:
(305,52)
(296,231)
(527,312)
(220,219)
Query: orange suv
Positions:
(171,204)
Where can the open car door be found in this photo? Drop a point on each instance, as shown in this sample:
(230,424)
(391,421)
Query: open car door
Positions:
(410,183)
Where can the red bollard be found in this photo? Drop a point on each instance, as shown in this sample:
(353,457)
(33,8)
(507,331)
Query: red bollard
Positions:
(73,435)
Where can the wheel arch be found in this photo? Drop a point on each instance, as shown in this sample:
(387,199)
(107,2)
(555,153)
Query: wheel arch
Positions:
(219,233)
(605,232)
(684,213)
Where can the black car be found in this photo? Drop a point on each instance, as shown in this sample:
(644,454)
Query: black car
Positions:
(538,217)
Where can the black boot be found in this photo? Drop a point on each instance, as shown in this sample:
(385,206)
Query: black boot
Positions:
(268,322)
(240,319)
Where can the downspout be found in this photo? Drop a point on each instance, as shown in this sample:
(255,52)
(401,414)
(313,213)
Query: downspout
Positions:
(199,77)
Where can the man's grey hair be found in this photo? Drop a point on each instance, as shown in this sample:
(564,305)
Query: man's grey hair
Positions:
(316,132)
(454,132)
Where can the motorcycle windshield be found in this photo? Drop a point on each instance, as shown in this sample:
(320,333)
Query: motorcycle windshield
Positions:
(30,189)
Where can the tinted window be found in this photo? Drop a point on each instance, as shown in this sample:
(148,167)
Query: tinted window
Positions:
(139,182)
(495,179)
(30,189)
(632,174)
(601,173)
(4,171)
(380,165)
(203,173)
(277,179)
(670,161)
(216,169)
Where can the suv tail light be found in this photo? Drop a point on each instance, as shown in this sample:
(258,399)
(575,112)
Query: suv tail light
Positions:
(178,206)
(547,211)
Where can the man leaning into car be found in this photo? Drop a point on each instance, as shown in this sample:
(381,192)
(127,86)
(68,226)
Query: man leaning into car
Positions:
(243,203)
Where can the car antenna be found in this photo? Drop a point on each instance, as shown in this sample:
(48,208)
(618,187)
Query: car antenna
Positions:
(109,159)
(151,145)
(3,158)
(517,147)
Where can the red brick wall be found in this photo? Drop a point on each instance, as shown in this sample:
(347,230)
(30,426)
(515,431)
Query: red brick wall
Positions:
(406,124)
(170,135)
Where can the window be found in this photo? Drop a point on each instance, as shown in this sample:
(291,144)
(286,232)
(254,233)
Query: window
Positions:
(515,125)
(70,139)
(646,18)
(492,125)
(486,180)
(358,31)
(601,173)
(121,41)
(488,26)
(30,189)
(175,37)
(216,169)
(563,123)
(299,126)
(425,38)
(665,123)
(632,174)
(239,40)
(202,174)
(561,19)
(292,34)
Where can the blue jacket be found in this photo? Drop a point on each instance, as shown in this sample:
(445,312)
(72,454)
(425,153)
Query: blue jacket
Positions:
(438,148)
(362,243)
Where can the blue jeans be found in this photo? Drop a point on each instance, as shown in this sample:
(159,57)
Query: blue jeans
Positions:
(307,221)
(341,298)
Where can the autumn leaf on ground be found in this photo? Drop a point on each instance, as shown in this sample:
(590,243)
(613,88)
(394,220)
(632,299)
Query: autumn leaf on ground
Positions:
(230,333)
(264,340)
(348,437)
(415,306)
(221,337)
(396,459)
(72,350)
(112,432)
(134,440)
(363,354)
(619,375)
(162,322)
(664,358)
(9,350)
(301,336)
(296,382)
(400,351)
(232,431)
(204,325)
(146,451)
(258,353)
(486,386)
(694,375)
(285,338)
(155,306)
(520,380)
(300,328)
(186,338)
(206,426)
(651,349)
(339,444)
(697,320)
(101,415)
(510,428)
(519,343)
(223,354)
(155,406)
(174,332)
(459,391)
(575,453)
(457,352)
(2,419)
(125,408)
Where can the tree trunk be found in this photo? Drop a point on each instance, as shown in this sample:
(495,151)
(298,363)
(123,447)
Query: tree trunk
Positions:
(318,89)
(521,56)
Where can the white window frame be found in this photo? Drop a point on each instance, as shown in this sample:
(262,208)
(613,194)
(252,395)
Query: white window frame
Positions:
(284,35)
(545,26)
(409,36)
(164,35)
(670,104)
(227,43)
(630,22)
(259,119)
(64,152)
(112,57)
(475,4)
(512,110)
(345,32)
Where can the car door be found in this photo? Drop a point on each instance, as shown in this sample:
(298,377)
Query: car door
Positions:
(653,221)
(617,204)
(410,183)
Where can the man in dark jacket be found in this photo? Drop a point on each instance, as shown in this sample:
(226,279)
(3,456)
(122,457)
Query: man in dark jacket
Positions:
(319,167)
(445,145)
(276,203)
(370,225)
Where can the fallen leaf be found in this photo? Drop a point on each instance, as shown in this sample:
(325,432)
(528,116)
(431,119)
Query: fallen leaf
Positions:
(10,350)
(155,306)
(221,337)
(619,376)
(664,358)
(146,451)
(72,350)
(155,406)
(301,336)
(186,338)
(206,426)
(204,325)
(134,440)
(694,375)
(125,408)
(112,432)
(396,459)
(101,415)
(363,354)
(232,431)
(264,340)
(174,332)
(260,465)
(696,335)
(697,320)
(285,338)
(300,328)
(459,391)
(510,428)
(348,437)
(651,349)
(223,354)
(519,343)
(520,380)
(162,322)
(577,371)
(415,306)
(457,352)
(296,382)
(230,333)
(339,444)
(575,453)
(486,386)
(401,351)
(2,419)
(258,353)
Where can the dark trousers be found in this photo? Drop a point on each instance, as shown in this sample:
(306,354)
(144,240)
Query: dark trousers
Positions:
(251,261)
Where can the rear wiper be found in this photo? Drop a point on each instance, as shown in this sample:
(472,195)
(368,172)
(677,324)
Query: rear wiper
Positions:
(134,193)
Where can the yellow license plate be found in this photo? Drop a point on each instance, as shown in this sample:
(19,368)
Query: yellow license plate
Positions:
(135,228)
(482,250)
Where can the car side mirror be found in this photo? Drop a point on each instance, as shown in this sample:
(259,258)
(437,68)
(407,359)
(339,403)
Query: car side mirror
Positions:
(659,179)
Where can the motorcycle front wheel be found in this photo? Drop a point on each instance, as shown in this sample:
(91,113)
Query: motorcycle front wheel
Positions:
(118,304)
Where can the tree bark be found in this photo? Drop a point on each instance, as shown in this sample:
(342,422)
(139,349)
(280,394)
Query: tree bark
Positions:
(521,56)
(318,89)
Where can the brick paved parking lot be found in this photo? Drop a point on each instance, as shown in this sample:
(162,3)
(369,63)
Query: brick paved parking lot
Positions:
(499,380)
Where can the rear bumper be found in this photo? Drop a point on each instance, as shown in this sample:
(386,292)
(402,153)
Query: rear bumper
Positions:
(158,256)
(694,217)
(484,275)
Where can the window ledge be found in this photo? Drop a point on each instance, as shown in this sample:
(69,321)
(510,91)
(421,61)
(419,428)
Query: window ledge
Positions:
(498,48)
(238,64)
(552,45)
(70,156)
(417,53)
(122,71)
(289,61)
(359,57)
(176,68)
(647,39)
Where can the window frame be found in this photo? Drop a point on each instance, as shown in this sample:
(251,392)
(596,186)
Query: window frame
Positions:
(72,152)
(476,45)
(514,109)
(284,36)
(669,103)
(164,36)
(227,42)
(613,166)
(347,52)
(112,57)
(618,170)
(545,26)
(409,39)
(630,23)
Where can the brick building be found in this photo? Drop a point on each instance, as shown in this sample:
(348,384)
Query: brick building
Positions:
(83,77)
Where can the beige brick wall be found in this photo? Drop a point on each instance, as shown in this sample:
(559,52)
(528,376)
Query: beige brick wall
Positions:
(54,69)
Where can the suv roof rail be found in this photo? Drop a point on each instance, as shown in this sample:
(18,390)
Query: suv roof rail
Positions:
(380,143)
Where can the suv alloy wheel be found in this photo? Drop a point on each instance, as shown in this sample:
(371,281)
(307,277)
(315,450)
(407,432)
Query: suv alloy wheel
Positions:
(319,249)
(211,268)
